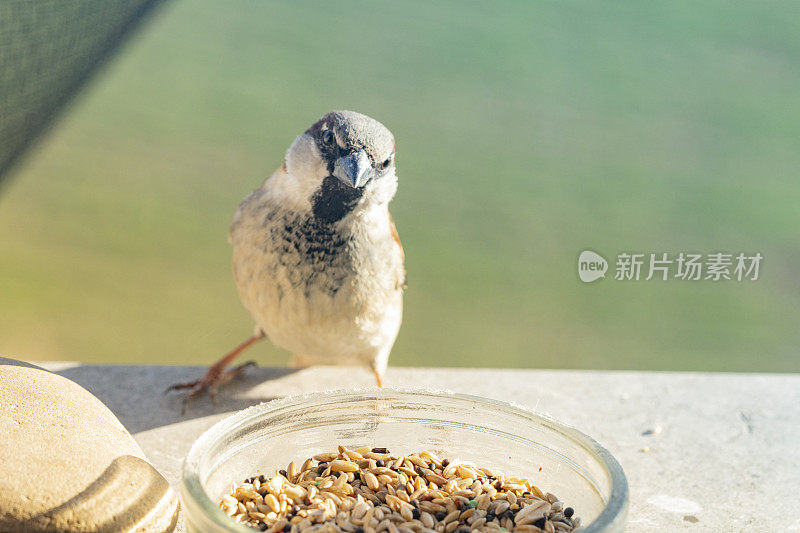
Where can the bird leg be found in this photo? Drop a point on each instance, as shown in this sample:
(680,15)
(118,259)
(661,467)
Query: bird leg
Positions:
(216,375)
(378,377)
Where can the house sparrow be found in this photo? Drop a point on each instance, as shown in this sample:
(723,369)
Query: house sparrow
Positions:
(316,255)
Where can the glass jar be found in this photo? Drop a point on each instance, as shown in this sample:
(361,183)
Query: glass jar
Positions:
(489,433)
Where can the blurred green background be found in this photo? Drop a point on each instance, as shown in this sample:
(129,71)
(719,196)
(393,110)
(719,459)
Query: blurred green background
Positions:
(526,133)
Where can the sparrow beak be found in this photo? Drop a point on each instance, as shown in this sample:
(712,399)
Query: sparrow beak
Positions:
(352,169)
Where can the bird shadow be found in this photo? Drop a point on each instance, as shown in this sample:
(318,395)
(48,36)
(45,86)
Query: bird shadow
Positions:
(135,394)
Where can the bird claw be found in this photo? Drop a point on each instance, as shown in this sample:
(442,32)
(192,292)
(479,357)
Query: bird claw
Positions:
(237,371)
(210,382)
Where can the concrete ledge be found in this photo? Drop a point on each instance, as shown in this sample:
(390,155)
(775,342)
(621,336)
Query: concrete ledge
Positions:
(702,452)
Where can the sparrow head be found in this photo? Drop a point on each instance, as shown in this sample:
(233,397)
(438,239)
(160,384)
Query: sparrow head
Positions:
(345,157)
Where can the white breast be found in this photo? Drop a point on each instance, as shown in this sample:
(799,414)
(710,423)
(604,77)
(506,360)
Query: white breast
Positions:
(329,297)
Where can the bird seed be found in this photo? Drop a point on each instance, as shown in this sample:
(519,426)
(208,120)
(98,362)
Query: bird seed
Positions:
(369,490)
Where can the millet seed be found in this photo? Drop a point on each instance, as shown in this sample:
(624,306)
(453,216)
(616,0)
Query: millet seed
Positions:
(368,490)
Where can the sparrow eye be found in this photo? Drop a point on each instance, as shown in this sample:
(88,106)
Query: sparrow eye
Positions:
(388,162)
(327,137)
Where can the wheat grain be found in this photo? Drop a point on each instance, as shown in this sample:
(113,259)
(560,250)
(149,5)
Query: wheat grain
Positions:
(368,490)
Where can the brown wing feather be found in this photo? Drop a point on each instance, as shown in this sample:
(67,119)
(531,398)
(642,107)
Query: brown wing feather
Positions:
(396,236)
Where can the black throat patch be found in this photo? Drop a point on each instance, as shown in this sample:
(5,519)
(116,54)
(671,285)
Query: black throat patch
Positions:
(334,200)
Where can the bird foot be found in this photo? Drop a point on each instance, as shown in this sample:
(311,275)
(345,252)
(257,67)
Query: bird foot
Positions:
(215,377)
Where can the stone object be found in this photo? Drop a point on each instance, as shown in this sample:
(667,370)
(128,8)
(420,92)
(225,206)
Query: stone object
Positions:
(68,464)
